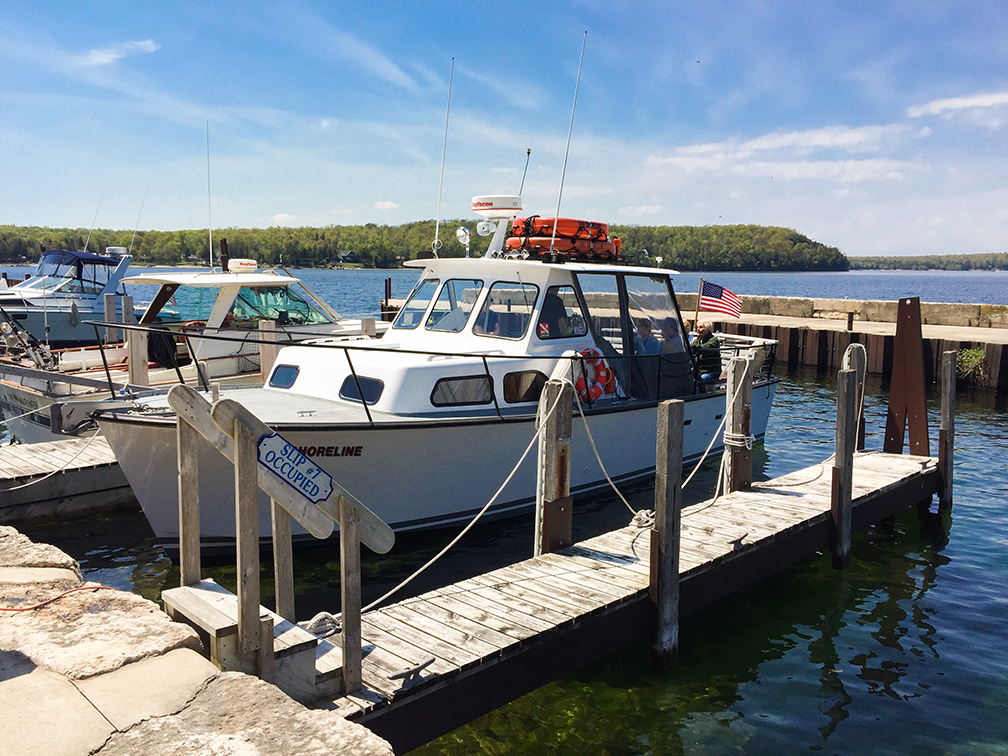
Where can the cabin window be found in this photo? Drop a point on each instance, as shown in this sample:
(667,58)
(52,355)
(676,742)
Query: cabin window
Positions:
(372,388)
(525,386)
(507,310)
(560,316)
(456,300)
(601,294)
(412,312)
(457,392)
(661,367)
(283,376)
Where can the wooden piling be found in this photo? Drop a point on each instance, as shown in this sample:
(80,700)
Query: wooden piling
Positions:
(188,495)
(350,595)
(247,534)
(136,351)
(110,317)
(855,358)
(283,561)
(738,418)
(267,347)
(907,411)
(666,532)
(946,431)
(843,468)
(553,461)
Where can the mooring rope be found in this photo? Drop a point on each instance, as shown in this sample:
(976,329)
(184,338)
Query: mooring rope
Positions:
(58,469)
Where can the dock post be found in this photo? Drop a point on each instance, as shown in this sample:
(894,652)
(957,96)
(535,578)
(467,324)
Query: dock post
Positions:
(907,413)
(553,472)
(665,533)
(946,431)
(855,358)
(843,468)
(136,351)
(110,317)
(738,419)
(186,438)
(267,347)
(350,595)
(283,561)
(246,477)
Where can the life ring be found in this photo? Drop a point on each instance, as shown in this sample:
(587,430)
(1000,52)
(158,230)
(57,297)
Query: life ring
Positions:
(596,378)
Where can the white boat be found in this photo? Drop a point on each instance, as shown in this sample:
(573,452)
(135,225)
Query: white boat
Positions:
(424,424)
(203,318)
(67,289)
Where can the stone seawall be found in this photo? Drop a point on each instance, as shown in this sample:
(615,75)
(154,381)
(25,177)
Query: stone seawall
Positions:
(932,313)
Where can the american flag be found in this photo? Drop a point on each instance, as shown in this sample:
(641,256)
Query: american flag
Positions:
(714,298)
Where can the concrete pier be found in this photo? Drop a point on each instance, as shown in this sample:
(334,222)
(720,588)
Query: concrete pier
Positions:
(101,671)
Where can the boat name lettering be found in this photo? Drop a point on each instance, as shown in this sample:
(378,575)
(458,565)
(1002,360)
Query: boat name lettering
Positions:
(331,451)
(295,468)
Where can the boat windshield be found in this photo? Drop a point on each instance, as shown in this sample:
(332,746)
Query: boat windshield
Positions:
(412,312)
(456,300)
(279,303)
(251,304)
(70,274)
(507,310)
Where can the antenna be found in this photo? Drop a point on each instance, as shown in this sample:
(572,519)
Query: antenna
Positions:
(570,131)
(138,220)
(88,240)
(528,155)
(436,245)
(209,210)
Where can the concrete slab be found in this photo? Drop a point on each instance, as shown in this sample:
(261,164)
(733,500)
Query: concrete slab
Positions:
(126,696)
(44,714)
(37,575)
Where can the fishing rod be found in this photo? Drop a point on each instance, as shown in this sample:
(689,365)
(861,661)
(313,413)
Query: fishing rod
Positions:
(570,131)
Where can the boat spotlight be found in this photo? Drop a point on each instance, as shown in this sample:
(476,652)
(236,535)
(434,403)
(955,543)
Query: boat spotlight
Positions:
(464,236)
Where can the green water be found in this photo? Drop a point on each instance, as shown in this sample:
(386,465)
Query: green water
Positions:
(905,652)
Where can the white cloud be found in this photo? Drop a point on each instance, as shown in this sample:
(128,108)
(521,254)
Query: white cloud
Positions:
(283,219)
(639,211)
(386,205)
(107,55)
(969,102)
(862,139)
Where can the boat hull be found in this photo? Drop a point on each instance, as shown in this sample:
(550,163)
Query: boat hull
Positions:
(415,475)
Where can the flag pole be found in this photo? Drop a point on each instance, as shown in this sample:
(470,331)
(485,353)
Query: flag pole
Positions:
(696,314)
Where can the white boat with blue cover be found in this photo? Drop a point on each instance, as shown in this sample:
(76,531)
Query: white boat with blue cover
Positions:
(424,424)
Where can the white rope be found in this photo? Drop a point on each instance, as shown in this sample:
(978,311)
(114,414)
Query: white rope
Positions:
(25,414)
(467,528)
(59,469)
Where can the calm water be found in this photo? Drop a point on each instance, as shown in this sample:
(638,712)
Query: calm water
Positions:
(904,652)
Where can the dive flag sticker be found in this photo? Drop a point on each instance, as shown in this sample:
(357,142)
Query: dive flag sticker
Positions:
(294,468)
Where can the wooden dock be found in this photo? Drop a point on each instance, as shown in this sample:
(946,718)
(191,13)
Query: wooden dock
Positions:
(57,478)
(494,637)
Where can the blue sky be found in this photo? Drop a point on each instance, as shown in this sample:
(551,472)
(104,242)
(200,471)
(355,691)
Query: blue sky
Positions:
(877,127)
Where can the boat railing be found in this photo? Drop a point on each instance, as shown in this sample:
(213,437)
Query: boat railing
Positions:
(646,377)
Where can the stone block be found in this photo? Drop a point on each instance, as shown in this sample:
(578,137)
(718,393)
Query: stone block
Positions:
(753,305)
(993,316)
(879,312)
(791,307)
(836,309)
(942,313)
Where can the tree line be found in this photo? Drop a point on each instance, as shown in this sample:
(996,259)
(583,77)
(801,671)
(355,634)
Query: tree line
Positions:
(708,248)
(981,261)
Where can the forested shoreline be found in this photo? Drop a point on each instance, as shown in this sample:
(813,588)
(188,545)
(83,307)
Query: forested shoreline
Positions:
(981,261)
(708,248)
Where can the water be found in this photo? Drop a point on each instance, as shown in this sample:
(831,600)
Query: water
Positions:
(358,292)
(904,652)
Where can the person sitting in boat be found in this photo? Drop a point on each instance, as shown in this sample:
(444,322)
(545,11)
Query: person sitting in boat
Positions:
(488,324)
(644,340)
(672,340)
(707,351)
(553,318)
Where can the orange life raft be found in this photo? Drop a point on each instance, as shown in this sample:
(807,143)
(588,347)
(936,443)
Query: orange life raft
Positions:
(575,239)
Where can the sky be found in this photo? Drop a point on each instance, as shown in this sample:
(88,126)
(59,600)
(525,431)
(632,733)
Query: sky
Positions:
(877,127)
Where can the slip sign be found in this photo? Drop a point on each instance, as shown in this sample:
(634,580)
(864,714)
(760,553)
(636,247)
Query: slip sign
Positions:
(294,468)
